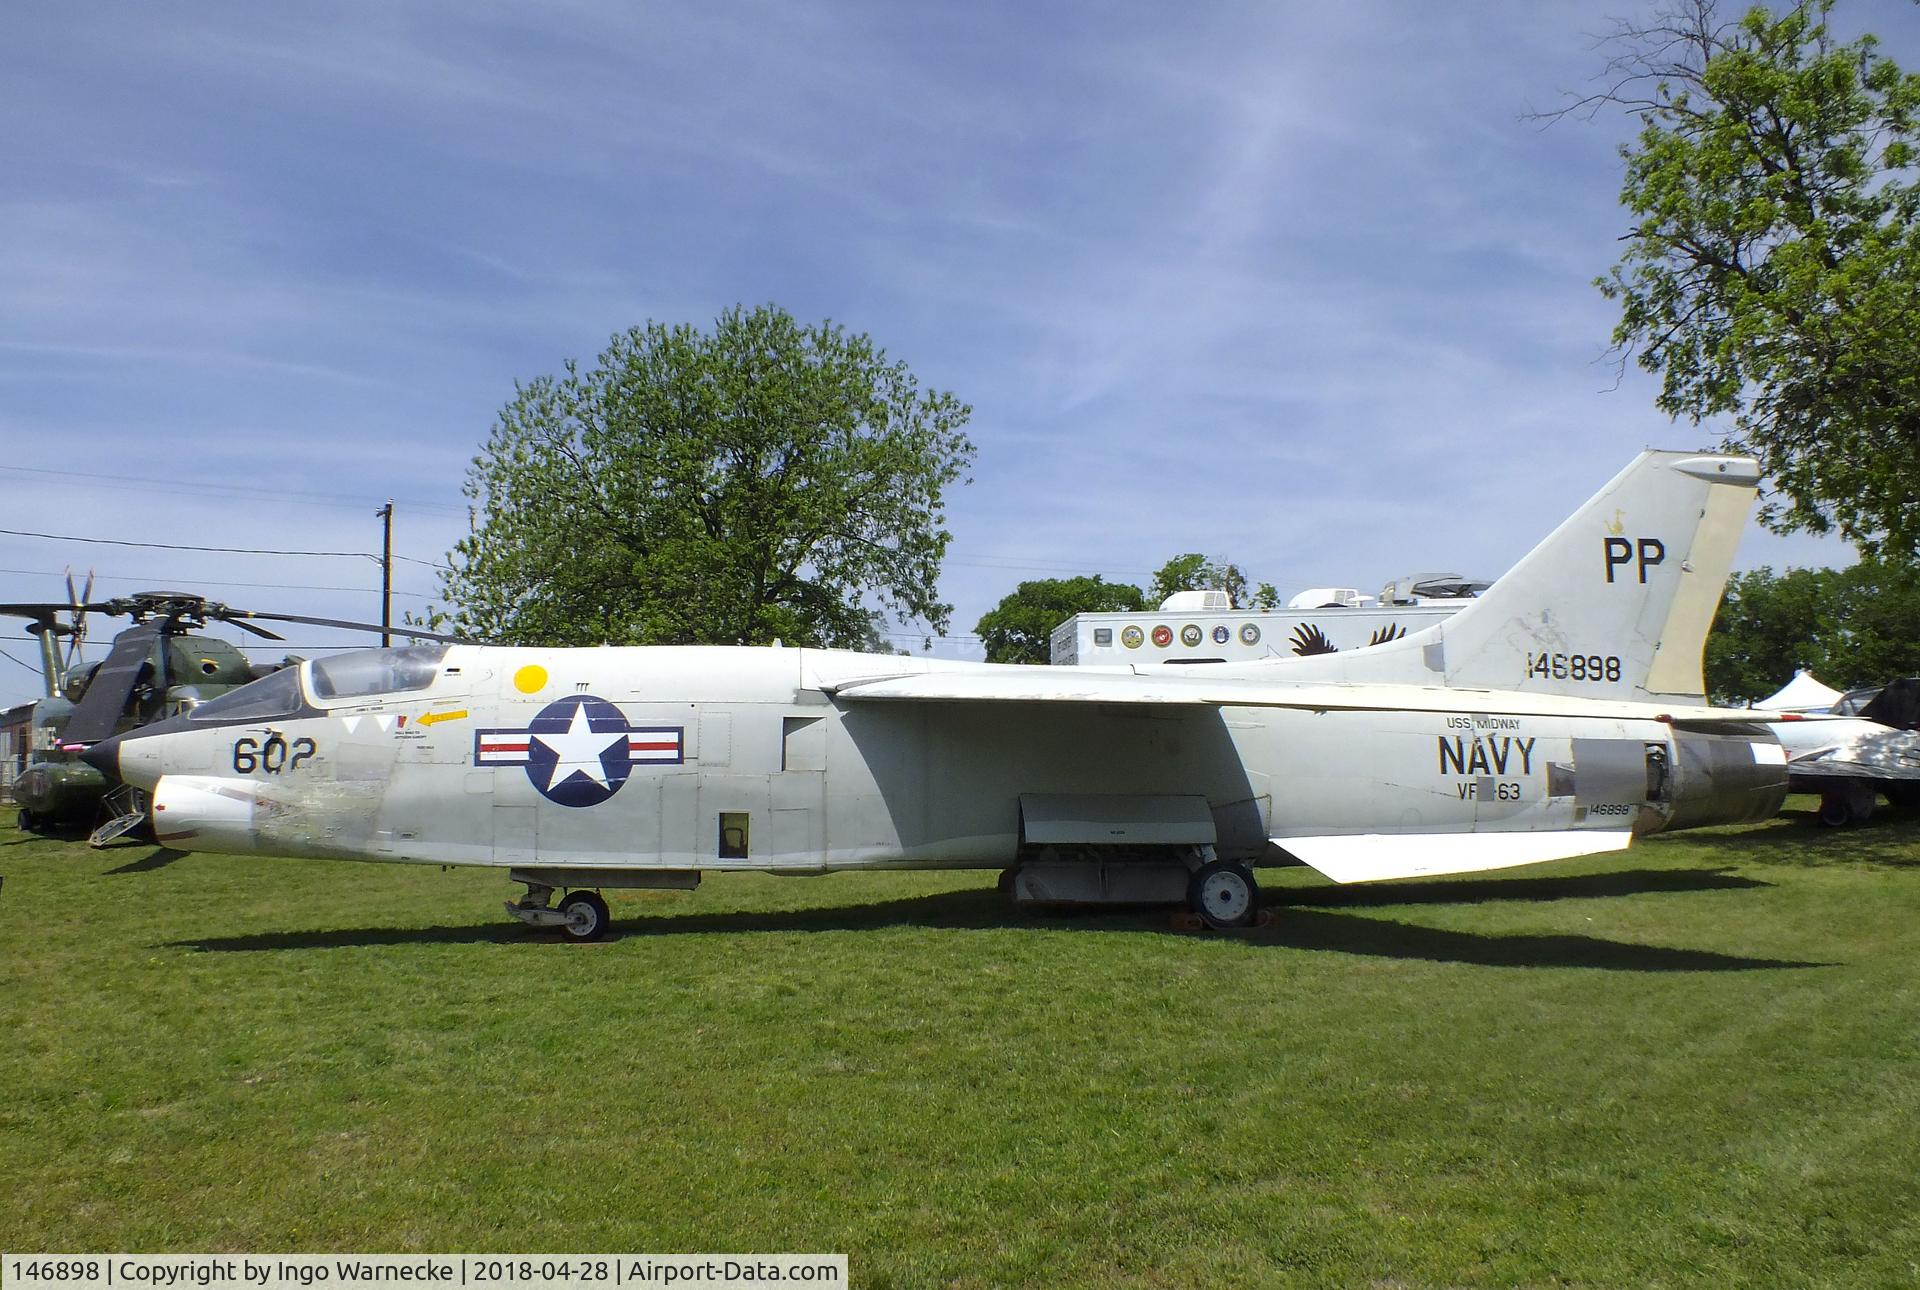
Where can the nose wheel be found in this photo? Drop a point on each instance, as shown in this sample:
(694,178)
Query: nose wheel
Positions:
(1224,894)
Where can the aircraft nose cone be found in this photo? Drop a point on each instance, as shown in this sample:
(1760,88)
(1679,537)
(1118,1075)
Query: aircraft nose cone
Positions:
(104,757)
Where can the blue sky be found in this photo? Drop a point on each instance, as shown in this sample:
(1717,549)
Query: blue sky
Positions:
(1291,284)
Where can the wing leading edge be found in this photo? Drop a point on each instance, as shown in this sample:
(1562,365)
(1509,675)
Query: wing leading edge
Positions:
(1374,857)
(1071,685)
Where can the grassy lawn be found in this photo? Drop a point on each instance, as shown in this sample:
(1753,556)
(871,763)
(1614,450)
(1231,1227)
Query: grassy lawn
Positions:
(1694,1063)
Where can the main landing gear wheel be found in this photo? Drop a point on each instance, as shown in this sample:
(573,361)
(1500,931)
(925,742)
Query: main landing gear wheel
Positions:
(24,820)
(1224,894)
(586,916)
(1849,803)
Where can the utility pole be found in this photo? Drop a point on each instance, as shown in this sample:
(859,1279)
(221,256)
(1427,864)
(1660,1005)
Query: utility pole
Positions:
(386,573)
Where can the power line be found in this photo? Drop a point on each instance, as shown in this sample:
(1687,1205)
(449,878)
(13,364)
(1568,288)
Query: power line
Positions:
(282,646)
(154,580)
(174,546)
(11,659)
(343,500)
(149,484)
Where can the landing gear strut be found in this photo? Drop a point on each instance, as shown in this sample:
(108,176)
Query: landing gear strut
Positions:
(581,916)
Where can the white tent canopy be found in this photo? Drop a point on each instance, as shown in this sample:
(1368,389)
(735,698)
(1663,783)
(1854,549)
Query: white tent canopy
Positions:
(1804,693)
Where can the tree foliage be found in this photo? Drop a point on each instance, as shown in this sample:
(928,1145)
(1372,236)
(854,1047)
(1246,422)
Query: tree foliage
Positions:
(1196,572)
(1773,272)
(1849,627)
(766,480)
(1020,628)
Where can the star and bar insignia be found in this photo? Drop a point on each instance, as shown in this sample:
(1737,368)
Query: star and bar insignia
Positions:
(579,750)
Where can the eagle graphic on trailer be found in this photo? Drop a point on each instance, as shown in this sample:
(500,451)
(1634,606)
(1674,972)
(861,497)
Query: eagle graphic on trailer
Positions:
(1558,715)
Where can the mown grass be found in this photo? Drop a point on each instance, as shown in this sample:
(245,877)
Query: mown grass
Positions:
(1690,1064)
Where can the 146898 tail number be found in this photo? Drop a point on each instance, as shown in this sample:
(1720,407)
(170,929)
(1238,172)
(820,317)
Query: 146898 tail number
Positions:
(1573,667)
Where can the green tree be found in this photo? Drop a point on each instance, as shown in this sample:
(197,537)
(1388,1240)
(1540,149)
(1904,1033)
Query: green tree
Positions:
(1768,627)
(1773,272)
(764,480)
(1196,572)
(1874,629)
(1020,628)
(1849,627)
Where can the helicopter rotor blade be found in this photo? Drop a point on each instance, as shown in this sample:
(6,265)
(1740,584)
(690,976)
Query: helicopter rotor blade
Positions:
(78,607)
(170,609)
(232,615)
(80,621)
(106,697)
(33,609)
(246,626)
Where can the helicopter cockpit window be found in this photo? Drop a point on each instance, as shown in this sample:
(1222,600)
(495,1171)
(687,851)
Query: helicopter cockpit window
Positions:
(365,672)
(277,695)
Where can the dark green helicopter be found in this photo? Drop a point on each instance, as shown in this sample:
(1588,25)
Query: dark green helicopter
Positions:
(160,666)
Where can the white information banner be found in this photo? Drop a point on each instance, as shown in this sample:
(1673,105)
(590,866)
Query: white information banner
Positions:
(414,1271)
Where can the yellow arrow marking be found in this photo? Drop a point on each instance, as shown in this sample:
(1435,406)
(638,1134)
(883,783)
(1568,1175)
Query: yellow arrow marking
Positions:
(431,717)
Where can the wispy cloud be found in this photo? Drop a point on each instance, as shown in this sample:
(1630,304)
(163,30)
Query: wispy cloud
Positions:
(1294,285)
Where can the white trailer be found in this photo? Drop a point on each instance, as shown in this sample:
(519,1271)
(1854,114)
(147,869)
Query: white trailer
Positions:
(1218,634)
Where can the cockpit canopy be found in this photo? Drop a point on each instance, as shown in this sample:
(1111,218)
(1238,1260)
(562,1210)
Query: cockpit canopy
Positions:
(277,695)
(364,672)
(357,674)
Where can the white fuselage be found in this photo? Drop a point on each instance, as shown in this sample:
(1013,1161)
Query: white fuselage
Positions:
(728,758)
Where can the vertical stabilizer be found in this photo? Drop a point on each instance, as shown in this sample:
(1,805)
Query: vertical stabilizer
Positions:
(1614,604)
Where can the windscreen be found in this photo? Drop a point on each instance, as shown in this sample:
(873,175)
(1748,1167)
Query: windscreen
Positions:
(277,695)
(1897,704)
(365,672)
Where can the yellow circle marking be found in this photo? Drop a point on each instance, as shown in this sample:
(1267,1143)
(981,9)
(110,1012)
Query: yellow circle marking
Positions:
(530,679)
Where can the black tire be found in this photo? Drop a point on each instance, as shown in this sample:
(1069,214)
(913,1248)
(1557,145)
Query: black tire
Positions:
(24,821)
(587,916)
(1006,881)
(1905,795)
(1835,811)
(1224,894)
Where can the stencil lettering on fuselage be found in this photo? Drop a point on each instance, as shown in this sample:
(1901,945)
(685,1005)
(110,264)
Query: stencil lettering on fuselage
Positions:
(1486,764)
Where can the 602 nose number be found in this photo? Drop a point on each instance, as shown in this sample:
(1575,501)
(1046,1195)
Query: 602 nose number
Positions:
(272,755)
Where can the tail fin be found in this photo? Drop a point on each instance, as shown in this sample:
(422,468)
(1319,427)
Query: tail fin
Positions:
(1615,603)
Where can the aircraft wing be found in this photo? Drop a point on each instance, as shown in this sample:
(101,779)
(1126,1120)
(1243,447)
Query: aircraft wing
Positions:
(1372,857)
(1896,758)
(1075,685)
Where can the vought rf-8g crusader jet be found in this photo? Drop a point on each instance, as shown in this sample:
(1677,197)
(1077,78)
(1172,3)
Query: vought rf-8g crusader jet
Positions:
(1557,716)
